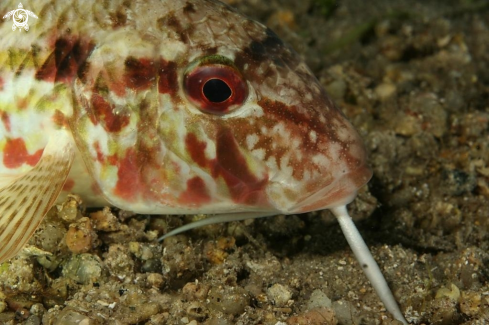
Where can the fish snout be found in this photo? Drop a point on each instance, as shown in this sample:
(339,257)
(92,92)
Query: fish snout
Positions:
(326,176)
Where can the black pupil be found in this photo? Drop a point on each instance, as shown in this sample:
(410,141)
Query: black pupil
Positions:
(216,90)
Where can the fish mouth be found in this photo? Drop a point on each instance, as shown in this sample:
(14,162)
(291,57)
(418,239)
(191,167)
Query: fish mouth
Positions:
(339,192)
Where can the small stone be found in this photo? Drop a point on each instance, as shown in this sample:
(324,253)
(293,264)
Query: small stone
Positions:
(105,220)
(470,303)
(69,316)
(279,295)
(38,309)
(119,261)
(80,237)
(197,310)
(83,268)
(445,309)
(161,318)
(33,320)
(406,125)
(69,211)
(155,280)
(229,300)
(453,293)
(195,291)
(385,90)
(318,299)
(345,312)
(337,89)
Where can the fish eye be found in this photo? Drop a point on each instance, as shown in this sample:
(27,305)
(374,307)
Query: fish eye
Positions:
(215,86)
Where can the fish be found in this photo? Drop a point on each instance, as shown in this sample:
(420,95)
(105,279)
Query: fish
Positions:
(168,107)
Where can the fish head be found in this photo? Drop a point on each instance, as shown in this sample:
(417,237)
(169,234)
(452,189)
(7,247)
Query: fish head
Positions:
(199,109)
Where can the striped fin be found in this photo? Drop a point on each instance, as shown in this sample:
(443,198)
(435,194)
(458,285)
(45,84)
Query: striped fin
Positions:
(26,200)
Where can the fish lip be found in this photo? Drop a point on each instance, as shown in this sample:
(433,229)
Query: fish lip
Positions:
(340,192)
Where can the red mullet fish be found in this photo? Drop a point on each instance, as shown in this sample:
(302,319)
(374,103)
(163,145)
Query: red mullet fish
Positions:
(167,107)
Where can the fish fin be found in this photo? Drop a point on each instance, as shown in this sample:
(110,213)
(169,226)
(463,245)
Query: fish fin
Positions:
(218,218)
(7,179)
(25,201)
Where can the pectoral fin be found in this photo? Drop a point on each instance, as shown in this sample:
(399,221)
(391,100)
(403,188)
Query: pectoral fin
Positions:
(26,200)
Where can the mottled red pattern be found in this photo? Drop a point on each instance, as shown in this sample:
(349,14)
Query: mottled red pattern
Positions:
(5,120)
(301,123)
(196,149)
(98,150)
(15,154)
(243,185)
(167,77)
(139,73)
(104,111)
(101,158)
(68,56)
(129,183)
(60,119)
(196,192)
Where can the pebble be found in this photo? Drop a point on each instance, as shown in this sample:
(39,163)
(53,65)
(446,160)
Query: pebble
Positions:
(385,90)
(69,316)
(345,312)
(83,268)
(229,300)
(80,237)
(279,295)
(318,299)
(105,220)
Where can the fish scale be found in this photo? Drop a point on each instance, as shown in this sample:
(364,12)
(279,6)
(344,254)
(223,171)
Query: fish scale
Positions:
(124,90)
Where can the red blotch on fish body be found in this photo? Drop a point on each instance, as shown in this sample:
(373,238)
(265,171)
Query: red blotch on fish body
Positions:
(196,149)
(129,184)
(196,192)
(60,119)
(113,159)
(5,120)
(118,87)
(15,154)
(98,150)
(69,184)
(243,185)
(104,111)
(68,56)
(167,77)
(140,73)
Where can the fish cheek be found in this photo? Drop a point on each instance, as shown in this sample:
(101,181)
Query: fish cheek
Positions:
(244,185)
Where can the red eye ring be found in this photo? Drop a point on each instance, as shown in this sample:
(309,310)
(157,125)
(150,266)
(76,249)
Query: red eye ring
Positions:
(215,88)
